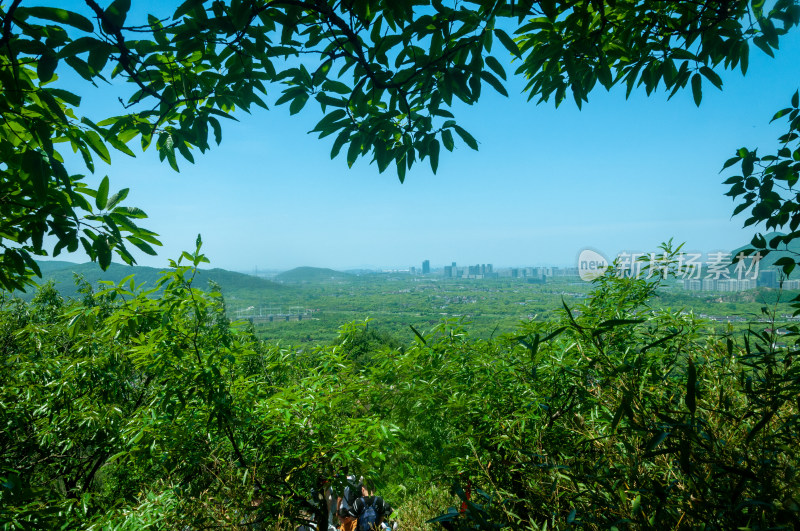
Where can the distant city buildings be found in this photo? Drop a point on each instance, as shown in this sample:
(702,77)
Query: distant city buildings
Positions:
(473,271)
(767,278)
(710,284)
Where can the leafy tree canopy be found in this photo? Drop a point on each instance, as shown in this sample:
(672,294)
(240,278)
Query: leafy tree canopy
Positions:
(383,72)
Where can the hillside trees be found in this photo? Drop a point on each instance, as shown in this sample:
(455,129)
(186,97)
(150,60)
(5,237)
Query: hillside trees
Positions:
(384,74)
(625,416)
(124,409)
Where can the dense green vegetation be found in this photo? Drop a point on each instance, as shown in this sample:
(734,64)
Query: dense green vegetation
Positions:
(125,410)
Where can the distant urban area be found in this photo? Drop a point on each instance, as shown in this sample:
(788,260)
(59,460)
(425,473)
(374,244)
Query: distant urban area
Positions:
(722,280)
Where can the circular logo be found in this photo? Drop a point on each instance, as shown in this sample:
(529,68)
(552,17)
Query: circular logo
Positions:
(591,265)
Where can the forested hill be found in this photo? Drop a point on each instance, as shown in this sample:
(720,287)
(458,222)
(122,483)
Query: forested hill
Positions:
(312,274)
(63,274)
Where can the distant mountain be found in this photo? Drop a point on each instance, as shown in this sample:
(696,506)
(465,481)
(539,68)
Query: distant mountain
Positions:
(63,274)
(231,280)
(312,274)
(54,265)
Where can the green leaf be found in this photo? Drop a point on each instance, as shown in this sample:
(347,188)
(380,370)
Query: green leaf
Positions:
(433,153)
(321,72)
(495,83)
(495,65)
(115,15)
(447,140)
(68,97)
(46,67)
(748,165)
(656,440)
(130,212)
(325,100)
(98,146)
(744,59)
(691,387)
(81,67)
(353,151)
(79,46)
(762,43)
(141,245)
(98,56)
(169,153)
(117,198)
(103,250)
(711,76)
(33,164)
(328,123)
(401,169)
(101,199)
(336,86)
(466,137)
(680,53)
(508,42)
(187,7)
(636,504)
(730,162)
(340,141)
(697,90)
(623,407)
(61,16)
(298,103)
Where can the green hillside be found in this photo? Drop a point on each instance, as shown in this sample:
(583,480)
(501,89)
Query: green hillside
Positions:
(64,274)
(312,274)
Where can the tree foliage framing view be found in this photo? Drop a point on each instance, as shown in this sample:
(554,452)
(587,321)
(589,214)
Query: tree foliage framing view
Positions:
(384,74)
(131,409)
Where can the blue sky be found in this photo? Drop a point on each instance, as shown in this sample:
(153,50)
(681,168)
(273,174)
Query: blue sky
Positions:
(618,175)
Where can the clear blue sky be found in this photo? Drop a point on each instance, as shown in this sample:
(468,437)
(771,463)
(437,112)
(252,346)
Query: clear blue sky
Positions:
(618,175)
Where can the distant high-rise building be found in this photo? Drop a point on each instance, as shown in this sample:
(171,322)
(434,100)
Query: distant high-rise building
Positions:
(768,278)
(426,267)
(448,271)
